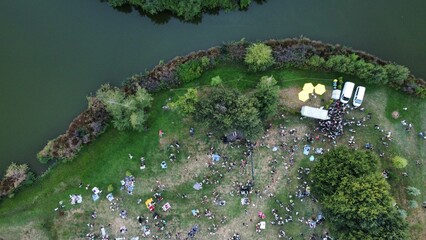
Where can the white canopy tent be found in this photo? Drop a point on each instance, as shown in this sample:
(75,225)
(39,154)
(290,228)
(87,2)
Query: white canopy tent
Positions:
(316,113)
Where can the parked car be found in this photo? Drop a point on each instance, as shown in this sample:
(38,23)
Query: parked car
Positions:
(359,96)
(348,88)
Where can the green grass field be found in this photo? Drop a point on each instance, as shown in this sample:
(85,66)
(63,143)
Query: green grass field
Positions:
(30,214)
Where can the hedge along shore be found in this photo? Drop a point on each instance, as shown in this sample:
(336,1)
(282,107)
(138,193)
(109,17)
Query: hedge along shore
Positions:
(93,121)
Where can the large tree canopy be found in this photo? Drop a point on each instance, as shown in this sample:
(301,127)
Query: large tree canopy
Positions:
(355,196)
(227,110)
(337,164)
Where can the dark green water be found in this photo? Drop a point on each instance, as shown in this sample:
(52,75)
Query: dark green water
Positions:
(53,53)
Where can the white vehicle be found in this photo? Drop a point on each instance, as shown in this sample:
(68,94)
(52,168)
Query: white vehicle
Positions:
(316,113)
(359,96)
(347,92)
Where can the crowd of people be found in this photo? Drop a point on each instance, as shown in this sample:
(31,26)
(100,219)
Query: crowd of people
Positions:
(285,151)
(333,127)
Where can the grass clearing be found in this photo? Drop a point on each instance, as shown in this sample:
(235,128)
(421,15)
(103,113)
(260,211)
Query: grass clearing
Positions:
(30,213)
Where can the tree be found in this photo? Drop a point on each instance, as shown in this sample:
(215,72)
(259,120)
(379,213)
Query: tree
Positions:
(267,97)
(396,73)
(225,110)
(259,57)
(186,103)
(362,198)
(127,111)
(413,191)
(399,162)
(337,164)
(356,197)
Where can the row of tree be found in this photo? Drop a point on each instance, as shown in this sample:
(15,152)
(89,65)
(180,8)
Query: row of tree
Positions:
(259,57)
(356,197)
(187,9)
(353,65)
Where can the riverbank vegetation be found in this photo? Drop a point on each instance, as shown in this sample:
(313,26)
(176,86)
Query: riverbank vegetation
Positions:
(16,176)
(269,99)
(188,10)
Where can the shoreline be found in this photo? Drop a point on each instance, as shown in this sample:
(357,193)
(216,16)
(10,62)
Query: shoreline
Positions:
(89,124)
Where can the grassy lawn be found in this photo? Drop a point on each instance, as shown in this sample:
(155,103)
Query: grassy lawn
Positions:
(30,214)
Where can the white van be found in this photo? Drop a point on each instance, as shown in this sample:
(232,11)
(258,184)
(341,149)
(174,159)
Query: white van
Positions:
(347,92)
(359,96)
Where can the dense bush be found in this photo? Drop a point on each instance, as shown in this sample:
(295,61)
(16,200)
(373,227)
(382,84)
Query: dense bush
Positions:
(193,69)
(259,57)
(82,130)
(187,9)
(16,174)
(294,56)
(355,196)
(234,51)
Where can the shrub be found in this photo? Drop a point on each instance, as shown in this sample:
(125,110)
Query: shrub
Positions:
(402,213)
(216,81)
(413,204)
(315,62)
(190,71)
(413,191)
(399,162)
(16,174)
(259,57)
(110,188)
(193,69)
(295,55)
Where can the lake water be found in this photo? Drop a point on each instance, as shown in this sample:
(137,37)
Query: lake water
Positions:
(53,53)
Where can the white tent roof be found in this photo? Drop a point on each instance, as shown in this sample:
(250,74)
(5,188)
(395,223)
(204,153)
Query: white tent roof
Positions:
(314,113)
